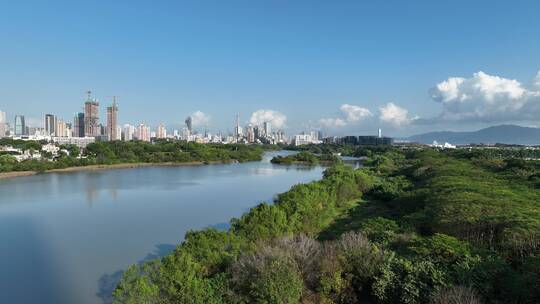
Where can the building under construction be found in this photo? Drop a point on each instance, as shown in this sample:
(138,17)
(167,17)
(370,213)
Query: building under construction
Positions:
(91,117)
(112,121)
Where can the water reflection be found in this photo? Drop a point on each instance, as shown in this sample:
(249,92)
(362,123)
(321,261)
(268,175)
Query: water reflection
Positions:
(74,233)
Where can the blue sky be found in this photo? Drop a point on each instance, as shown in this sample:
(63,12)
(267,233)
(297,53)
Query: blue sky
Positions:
(313,63)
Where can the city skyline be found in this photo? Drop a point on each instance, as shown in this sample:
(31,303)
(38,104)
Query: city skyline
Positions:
(92,117)
(87,127)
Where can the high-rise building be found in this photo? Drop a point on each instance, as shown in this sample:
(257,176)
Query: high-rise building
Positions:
(128,132)
(118,133)
(60,128)
(69,129)
(161,131)
(50,124)
(78,125)
(237,130)
(112,120)
(91,117)
(143,132)
(20,125)
(189,124)
(102,132)
(267,128)
(2,124)
(280,136)
(250,133)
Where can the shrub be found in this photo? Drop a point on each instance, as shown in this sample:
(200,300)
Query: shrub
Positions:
(363,260)
(455,295)
(262,222)
(267,276)
(380,230)
(407,281)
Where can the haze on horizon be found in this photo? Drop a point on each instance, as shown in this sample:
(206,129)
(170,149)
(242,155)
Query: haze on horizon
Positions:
(345,67)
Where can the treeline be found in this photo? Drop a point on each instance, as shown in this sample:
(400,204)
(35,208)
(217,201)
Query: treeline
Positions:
(500,152)
(22,144)
(306,158)
(343,149)
(415,227)
(128,152)
(170,151)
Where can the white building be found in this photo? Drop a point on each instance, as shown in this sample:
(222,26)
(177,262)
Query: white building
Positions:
(127,132)
(143,132)
(302,139)
(60,128)
(80,142)
(446,145)
(161,131)
(51,148)
(118,133)
(2,124)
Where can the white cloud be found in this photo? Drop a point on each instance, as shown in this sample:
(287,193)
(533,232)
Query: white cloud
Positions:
(487,98)
(354,113)
(349,114)
(199,118)
(394,115)
(332,122)
(537,80)
(275,118)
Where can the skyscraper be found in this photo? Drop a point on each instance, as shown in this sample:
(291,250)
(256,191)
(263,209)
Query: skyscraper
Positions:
(78,125)
(60,129)
(237,129)
(20,126)
(118,133)
(143,132)
(267,128)
(50,125)
(128,132)
(91,117)
(2,124)
(250,133)
(112,120)
(161,131)
(189,124)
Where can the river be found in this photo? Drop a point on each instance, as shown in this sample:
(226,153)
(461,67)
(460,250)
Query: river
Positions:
(67,237)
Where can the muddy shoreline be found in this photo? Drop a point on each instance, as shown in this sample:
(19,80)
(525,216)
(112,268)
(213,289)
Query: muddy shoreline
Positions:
(13,174)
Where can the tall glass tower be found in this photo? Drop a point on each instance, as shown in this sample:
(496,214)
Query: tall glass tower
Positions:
(20,126)
(50,124)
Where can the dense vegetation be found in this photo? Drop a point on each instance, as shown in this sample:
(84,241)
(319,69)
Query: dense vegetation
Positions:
(128,152)
(306,158)
(415,227)
(343,149)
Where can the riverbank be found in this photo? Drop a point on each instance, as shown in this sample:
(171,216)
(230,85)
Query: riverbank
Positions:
(13,174)
(5,175)
(323,163)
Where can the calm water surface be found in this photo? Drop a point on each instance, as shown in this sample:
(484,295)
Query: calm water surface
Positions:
(66,237)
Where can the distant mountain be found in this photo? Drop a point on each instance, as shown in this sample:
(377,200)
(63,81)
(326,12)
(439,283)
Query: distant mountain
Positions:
(504,134)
